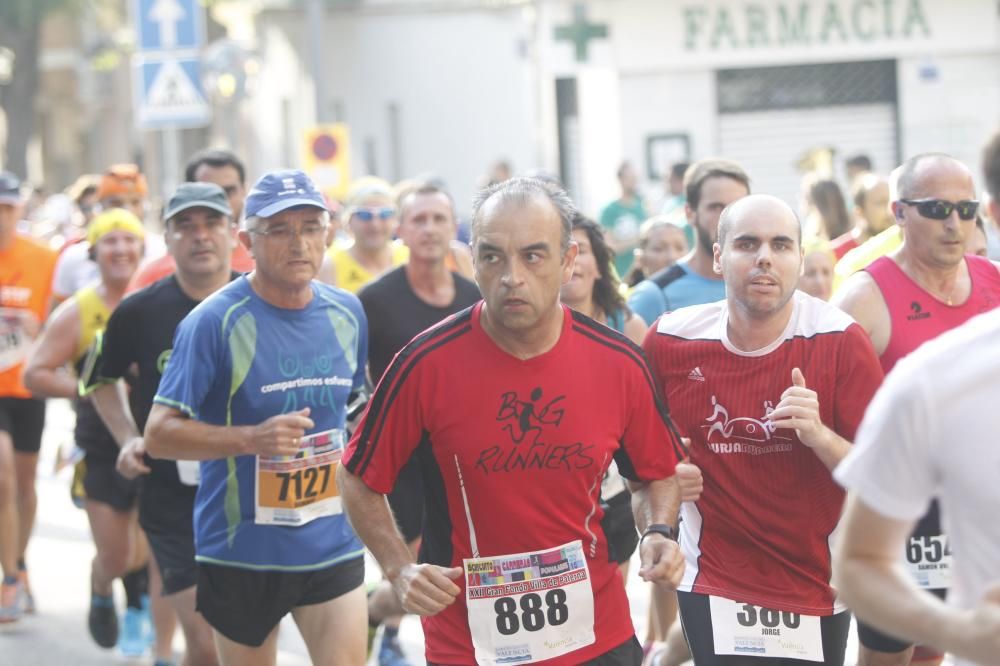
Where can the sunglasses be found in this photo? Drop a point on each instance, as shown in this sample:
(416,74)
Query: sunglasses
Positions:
(369,214)
(937,209)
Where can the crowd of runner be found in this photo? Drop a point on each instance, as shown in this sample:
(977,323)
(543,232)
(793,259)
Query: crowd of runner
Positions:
(782,416)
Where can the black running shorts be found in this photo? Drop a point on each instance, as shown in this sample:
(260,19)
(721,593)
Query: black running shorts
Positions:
(102,483)
(696,620)
(245,606)
(174,555)
(23,419)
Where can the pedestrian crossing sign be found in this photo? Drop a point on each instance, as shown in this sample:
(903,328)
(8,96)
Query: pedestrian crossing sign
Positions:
(170,93)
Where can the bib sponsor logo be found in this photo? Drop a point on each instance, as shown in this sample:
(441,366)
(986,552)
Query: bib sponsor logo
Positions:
(305,382)
(743,434)
(162,360)
(918,312)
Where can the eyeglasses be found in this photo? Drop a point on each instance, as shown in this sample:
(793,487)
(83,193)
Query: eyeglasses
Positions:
(281,232)
(369,214)
(938,209)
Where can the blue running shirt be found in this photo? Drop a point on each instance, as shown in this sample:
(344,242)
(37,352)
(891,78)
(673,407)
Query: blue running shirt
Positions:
(238,360)
(673,288)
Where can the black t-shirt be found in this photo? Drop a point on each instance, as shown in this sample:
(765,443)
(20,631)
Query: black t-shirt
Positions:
(396,314)
(137,342)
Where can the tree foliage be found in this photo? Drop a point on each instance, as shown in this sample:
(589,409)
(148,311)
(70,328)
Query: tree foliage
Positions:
(20,31)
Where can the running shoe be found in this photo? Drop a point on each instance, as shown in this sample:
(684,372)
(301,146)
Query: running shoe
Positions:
(10,603)
(27,598)
(133,641)
(103,621)
(390,653)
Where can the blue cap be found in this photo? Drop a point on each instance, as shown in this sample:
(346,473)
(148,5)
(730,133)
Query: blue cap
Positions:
(280,190)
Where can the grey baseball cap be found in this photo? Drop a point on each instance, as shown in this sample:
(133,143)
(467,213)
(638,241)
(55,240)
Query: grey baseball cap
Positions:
(10,189)
(197,195)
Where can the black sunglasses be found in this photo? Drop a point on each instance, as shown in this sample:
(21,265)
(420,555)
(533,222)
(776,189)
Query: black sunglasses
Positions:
(937,209)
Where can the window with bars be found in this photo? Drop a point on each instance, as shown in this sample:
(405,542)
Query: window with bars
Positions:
(806,86)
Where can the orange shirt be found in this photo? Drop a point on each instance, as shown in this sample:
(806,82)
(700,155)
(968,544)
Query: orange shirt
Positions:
(165,265)
(26,269)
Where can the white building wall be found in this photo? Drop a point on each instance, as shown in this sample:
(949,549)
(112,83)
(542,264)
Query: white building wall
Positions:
(472,85)
(678,101)
(949,104)
(947,53)
(463,84)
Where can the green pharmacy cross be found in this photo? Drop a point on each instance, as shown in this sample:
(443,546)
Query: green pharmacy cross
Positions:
(580,32)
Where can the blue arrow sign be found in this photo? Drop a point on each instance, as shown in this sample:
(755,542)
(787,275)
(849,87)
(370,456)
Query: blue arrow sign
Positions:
(167,25)
(169,93)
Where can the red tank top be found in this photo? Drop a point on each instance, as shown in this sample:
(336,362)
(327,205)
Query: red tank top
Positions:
(916,316)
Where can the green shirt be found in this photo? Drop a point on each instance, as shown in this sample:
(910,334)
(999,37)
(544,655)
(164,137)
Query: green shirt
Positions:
(622,223)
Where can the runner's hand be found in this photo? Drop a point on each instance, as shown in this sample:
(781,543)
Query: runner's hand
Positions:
(690,480)
(280,435)
(799,411)
(131,461)
(426,589)
(662,561)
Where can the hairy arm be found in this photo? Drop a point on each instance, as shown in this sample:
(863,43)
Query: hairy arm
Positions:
(423,589)
(658,502)
(870,579)
(171,434)
(45,373)
(111,403)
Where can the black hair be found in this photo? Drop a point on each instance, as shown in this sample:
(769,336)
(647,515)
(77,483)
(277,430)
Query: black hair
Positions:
(606,295)
(216,159)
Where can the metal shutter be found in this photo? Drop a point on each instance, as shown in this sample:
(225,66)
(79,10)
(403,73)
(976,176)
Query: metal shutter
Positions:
(768,144)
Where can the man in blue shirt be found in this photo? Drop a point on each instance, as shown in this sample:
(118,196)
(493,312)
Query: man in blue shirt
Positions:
(711,185)
(256,388)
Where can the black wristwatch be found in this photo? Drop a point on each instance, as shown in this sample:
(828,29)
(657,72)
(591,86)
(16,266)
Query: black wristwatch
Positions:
(660,528)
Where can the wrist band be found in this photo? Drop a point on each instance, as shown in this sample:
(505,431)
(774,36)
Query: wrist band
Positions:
(660,528)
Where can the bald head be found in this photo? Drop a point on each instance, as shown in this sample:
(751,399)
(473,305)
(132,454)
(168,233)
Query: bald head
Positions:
(763,205)
(915,178)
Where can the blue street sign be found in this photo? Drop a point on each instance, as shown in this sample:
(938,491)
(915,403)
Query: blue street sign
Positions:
(168,25)
(169,93)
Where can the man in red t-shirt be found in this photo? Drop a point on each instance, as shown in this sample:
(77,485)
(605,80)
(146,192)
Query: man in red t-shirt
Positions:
(514,409)
(902,300)
(769,385)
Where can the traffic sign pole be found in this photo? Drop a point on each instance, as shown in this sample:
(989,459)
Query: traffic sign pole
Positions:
(171,147)
(167,75)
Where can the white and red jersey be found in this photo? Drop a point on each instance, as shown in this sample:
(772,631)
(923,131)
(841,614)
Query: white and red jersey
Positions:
(513,452)
(761,531)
